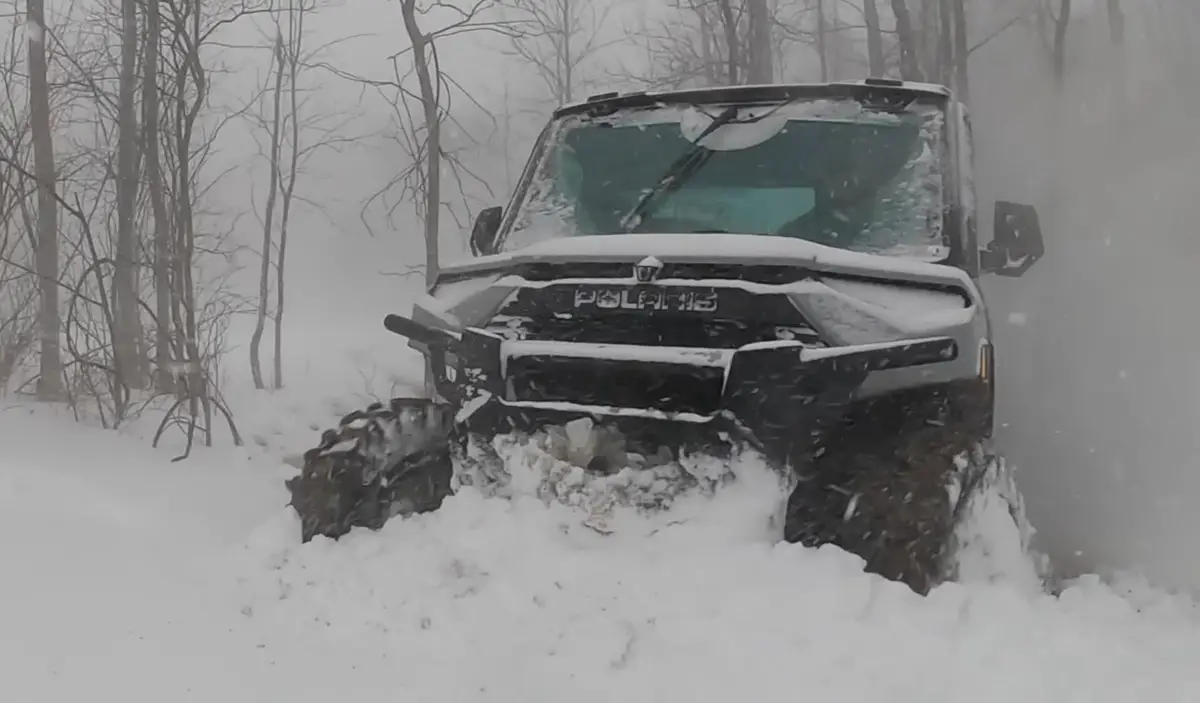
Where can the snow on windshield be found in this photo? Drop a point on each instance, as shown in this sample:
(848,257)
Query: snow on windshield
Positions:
(828,171)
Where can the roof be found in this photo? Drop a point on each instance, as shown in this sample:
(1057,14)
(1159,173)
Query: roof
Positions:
(876,88)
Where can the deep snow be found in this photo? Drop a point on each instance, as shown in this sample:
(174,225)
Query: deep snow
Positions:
(130,577)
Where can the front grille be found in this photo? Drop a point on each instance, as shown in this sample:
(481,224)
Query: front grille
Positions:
(670,388)
(616,314)
(658,331)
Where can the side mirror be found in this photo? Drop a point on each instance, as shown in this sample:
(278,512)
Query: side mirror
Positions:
(483,234)
(1017,243)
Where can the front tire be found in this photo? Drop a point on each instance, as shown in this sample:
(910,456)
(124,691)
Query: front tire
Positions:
(898,506)
(379,462)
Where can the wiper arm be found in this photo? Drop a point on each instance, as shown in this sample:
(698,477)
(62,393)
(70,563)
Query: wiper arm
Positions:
(680,170)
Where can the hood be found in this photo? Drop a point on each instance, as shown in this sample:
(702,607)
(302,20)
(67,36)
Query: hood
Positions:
(749,249)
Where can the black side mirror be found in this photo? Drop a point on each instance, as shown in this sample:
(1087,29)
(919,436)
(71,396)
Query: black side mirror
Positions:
(483,234)
(1017,243)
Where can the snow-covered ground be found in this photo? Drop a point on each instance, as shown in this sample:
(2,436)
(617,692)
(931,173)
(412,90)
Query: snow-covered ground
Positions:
(129,577)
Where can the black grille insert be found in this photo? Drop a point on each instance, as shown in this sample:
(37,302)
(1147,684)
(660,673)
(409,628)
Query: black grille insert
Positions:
(650,331)
(665,387)
(617,314)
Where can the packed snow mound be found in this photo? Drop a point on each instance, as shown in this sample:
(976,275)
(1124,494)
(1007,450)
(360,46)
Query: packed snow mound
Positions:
(117,578)
(549,464)
(516,597)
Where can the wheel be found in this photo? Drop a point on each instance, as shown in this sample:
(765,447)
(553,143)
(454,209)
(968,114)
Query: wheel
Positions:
(993,538)
(896,505)
(381,461)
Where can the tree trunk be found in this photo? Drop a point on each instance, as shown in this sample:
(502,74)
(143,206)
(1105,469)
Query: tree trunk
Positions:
(128,370)
(707,55)
(567,67)
(1119,81)
(264,275)
(164,377)
(1060,42)
(295,41)
(962,83)
(874,39)
(732,45)
(910,67)
(760,69)
(927,39)
(433,138)
(834,46)
(945,45)
(50,380)
(822,41)
(185,249)
(1116,22)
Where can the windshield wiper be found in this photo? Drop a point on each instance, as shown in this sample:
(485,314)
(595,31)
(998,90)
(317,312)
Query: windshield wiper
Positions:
(680,170)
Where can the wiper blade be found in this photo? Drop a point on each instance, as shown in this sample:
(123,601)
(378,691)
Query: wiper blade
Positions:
(680,170)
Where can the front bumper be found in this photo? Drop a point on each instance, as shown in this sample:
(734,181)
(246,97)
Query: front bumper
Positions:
(771,391)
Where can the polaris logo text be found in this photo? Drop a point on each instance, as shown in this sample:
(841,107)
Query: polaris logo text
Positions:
(650,299)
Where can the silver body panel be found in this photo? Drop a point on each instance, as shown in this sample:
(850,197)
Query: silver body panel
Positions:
(834,301)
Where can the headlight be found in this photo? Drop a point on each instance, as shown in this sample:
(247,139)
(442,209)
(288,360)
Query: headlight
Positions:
(861,312)
(465,301)
(451,293)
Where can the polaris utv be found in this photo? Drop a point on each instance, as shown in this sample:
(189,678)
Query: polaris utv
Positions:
(791,268)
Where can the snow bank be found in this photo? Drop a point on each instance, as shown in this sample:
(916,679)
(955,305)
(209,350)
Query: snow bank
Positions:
(498,600)
(150,581)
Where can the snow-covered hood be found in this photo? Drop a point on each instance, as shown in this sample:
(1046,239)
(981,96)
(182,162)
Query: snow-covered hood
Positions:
(748,249)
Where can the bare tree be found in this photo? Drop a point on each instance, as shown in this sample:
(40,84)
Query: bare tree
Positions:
(733,40)
(943,54)
(85,250)
(82,170)
(1116,22)
(960,51)
(910,67)
(188,28)
(126,362)
(874,38)
(50,380)
(264,276)
(290,61)
(821,25)
(822,40)
(558,38)
(1052,29)
(420,128)
(164,378)
(19,282)
(704,42)
(424,53)
(294,133)
(1061,22)
(759,64)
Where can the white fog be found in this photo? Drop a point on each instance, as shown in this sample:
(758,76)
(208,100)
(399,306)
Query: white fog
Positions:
(146,560)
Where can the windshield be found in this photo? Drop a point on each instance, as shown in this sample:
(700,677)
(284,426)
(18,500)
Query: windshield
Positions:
(828,171)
